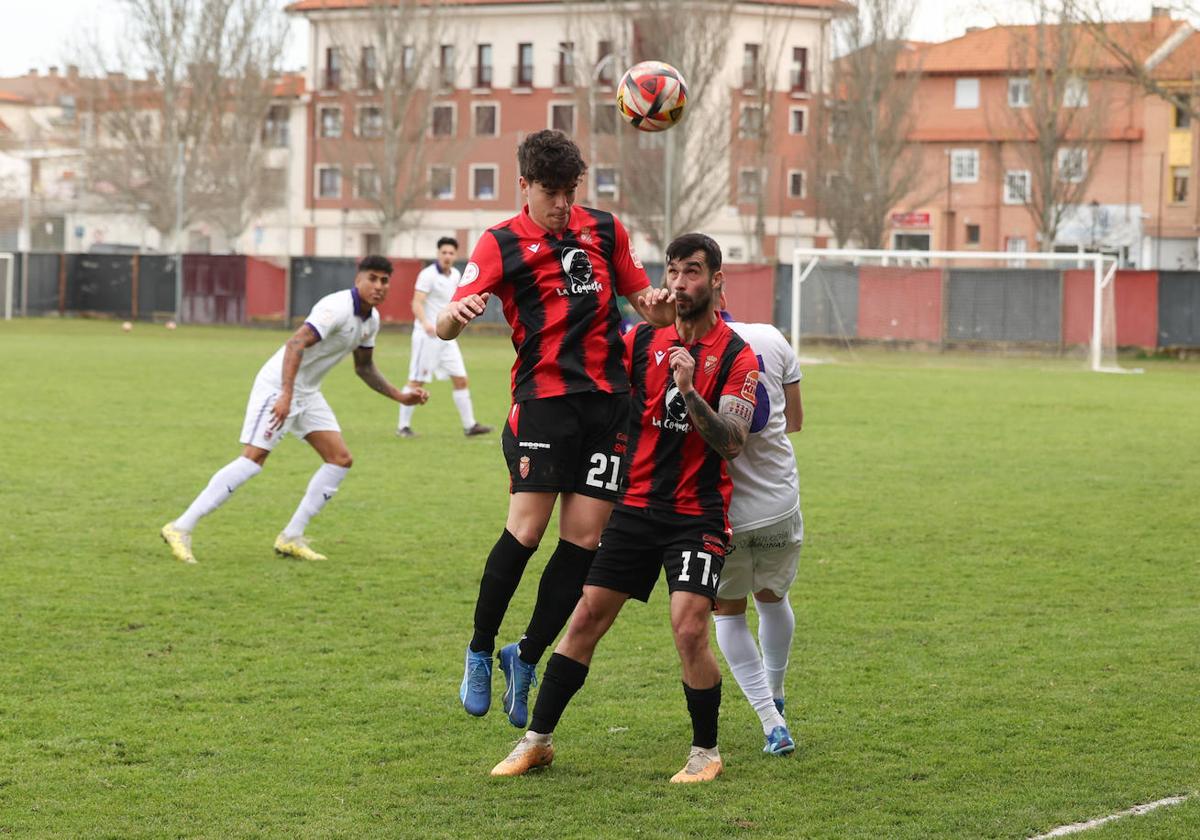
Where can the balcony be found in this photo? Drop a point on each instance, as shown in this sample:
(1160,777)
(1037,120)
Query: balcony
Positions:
(523,76)
(798,79)
(332,78)
(481,76)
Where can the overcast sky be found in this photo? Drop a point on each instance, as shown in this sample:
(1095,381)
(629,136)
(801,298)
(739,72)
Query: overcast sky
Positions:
(47,32)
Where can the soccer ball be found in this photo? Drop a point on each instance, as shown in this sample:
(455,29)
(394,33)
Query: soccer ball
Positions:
(127,326)
(652,96)
(170,325)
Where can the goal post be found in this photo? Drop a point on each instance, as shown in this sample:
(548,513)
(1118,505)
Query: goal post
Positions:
(8,276)
(1043,303)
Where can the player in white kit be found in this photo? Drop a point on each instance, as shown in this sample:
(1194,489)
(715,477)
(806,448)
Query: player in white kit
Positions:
(432,357)
(768,530)
(286,397)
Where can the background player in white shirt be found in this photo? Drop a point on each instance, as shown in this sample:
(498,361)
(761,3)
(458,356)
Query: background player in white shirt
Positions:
(431,356)
(286,397)
(768,530)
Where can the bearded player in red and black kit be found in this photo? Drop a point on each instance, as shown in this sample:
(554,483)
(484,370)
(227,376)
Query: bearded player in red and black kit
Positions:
(558,269)
(693,389)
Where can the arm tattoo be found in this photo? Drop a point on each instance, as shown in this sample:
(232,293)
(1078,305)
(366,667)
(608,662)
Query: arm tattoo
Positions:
(370,374)
(724,432)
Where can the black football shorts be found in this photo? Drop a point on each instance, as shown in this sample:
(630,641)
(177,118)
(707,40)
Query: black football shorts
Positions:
(637,543)
(575,443)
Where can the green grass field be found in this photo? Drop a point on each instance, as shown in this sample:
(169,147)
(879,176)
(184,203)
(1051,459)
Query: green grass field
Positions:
(998,610)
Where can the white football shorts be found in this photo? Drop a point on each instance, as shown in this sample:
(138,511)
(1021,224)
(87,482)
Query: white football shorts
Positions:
(432,357)
(310,413)
(764,558)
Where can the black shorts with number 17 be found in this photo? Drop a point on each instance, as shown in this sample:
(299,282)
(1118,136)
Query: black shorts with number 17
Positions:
(638,544)
(570,444)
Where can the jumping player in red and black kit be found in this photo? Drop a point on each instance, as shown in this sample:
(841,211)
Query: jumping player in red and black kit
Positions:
(693,391)
(558,269)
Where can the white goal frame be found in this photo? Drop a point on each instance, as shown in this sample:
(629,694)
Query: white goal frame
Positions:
(1102,276)
(8,264)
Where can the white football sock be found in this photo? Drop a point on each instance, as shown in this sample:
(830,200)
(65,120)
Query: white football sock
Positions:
(321,488)
(776,625)
(462,401)
(406,412)
(739,650)
(220,487)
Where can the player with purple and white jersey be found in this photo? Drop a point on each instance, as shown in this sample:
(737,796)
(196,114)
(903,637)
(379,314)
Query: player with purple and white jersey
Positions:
(768,530)
(286,397)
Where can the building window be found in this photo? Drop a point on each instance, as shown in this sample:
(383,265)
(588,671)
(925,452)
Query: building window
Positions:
(441,182)
(446,65)
(441,121)
(408,63)
(562,117)
(483,66)
(331,122)
(368,70)
(1016,245)
(483,183)
(366,182)
(799,73)
(372,243)
(750,125)
(964,166)
(1020,92)
(329,182)
(798,121)
(487,120)
(275,127)
(66,105)
(1179,184)
(751,70)
(972,235)
(604,118)
(565,74)
(605,74)
(1182,116)
(1016,186)
(1075,93)
(333,69)
(966,93)
(370,121)
(1072,164)
(523,77)
(796,184)
(606,182)
(750,184)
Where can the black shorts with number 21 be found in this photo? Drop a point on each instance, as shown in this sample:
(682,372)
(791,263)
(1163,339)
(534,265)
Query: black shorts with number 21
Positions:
(569,444)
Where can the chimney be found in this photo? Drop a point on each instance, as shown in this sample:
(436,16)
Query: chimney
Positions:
(53,72)
(973,29)
(72,71)
(1157,12)
(33,72)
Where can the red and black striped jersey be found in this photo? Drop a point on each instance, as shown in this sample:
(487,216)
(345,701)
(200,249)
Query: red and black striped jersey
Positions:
(560,298)
(670,466)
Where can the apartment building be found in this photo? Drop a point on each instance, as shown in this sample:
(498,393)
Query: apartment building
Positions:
(500,70)
(1132,152)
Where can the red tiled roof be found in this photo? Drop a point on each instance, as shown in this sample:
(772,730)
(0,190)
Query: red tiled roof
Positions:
(1002,49)
(289,86)
(331,5)
(1182,64)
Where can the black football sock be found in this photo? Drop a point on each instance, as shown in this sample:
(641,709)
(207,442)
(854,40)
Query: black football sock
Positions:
(559,589)
(501,574)
(564,676)
(703,704)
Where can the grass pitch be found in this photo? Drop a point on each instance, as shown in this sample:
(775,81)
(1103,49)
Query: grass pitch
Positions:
(997,615)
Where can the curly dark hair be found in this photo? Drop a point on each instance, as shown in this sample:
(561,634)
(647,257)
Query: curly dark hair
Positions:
(689,243)
(551,158)
(375,262)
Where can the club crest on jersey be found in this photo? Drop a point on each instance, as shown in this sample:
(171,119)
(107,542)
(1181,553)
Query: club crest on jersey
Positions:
(469,274)
(523,466)
(577,267)
(710,364)
(676,412)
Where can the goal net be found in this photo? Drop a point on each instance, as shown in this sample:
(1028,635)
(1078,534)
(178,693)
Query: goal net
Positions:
(1012,301)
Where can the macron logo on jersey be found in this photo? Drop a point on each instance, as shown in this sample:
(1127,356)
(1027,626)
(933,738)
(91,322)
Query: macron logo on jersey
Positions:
(658,356)
(535,247)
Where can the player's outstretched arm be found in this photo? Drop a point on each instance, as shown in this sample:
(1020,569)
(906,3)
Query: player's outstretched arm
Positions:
(364,366)
(459,313)
(655,305)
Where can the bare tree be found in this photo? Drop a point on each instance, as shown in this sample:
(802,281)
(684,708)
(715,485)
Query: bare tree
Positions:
(396,50)
(698,40)
(208,66)
(865,164)
(1063,120)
